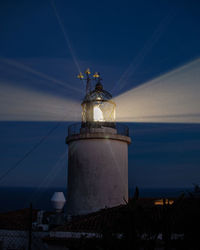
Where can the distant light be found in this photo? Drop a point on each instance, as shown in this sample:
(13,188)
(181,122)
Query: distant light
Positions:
(162,202)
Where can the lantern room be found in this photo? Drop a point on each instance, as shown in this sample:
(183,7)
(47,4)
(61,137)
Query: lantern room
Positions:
(98,109)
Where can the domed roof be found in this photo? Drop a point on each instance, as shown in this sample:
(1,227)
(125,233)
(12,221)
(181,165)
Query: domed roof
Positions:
(98,94)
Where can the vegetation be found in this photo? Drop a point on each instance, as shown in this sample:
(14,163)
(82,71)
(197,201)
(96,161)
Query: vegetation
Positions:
(143,226)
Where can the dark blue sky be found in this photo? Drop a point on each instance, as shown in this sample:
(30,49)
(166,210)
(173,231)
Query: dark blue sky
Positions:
(108,36)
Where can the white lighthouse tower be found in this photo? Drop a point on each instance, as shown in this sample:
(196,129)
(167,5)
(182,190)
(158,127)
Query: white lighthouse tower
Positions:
(97,155)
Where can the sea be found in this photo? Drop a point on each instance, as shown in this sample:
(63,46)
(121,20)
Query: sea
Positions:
(14,198)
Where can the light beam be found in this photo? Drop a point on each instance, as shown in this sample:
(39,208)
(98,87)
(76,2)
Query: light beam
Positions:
(66,37)
(28,69)
(21,104)
(171,98)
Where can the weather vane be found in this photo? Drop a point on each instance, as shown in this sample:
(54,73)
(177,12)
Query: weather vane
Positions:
(87,78)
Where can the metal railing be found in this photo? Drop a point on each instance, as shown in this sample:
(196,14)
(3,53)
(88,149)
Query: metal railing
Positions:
(75,128)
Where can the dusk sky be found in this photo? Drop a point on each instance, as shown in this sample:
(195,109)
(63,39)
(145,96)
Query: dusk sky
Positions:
(43,44)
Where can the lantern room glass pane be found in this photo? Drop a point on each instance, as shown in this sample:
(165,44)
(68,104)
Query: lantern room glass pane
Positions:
(98,114)
(103,111)
(108,110)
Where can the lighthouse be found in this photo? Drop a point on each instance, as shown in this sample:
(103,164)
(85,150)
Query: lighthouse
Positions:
(97,154)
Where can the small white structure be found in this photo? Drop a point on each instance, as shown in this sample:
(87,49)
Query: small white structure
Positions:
(97,156)
(58,201)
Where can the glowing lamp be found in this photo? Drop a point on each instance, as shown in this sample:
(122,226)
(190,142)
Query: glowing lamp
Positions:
(98,114)
(98,109)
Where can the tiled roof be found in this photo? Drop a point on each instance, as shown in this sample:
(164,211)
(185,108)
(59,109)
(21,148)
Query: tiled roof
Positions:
(94,222)
(101,220)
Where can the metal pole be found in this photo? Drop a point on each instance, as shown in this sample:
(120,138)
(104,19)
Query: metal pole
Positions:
(30,227)
(88,85)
